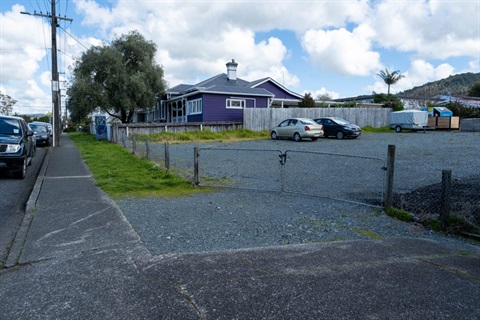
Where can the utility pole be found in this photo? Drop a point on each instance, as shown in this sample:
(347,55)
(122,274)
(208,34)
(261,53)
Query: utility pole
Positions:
(56,94)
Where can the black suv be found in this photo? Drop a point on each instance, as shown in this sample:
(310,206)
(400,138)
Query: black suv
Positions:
(17,145)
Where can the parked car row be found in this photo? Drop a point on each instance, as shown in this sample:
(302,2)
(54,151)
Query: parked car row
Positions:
(300,128)
(17,145)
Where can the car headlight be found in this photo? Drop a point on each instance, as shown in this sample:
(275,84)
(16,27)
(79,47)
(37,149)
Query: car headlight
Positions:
(13,148)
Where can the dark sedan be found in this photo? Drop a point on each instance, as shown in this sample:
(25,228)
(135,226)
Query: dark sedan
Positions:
(42,133)
(339,128)
(17,145)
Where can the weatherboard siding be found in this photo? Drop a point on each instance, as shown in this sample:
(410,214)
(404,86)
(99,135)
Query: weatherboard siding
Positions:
(215,107)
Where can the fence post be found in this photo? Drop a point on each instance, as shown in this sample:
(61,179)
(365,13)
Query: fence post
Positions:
(134,144)
(147,147)
(390,172)
(124,142)
(167,156)
(445,200)
(196,180)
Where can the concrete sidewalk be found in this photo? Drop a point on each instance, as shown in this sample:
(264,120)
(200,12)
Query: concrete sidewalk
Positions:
(77,257)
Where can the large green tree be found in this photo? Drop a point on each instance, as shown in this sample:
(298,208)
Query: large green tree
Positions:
(390,78)
(119,78)
(474,90)
(6,104)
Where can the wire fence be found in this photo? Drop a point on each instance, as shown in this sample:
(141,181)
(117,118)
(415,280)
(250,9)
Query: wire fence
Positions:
(418,189)
(327,175)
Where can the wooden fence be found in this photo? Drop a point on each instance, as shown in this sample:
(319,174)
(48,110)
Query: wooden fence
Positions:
(129,129)
(259,119)
(470,125)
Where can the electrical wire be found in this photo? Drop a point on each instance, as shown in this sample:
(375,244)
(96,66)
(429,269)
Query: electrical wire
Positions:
(74,38)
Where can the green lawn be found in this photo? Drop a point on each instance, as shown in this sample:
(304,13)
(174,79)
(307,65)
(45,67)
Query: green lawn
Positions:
(119,173)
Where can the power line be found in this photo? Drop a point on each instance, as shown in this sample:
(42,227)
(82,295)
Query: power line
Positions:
(74,38)
(56,94)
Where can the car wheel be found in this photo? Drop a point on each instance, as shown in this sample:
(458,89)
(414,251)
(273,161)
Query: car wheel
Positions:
(297,137)
(22,172)
(340,135)
(398,129)
(314,139)
(274,135)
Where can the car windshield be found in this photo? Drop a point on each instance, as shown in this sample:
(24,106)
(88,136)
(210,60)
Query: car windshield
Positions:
(39,128)
(341,121)
(10,127)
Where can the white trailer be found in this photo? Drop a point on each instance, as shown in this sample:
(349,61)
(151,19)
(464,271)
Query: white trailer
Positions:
(409,119)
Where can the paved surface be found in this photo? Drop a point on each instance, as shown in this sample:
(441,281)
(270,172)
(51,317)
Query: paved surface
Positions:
(77,257)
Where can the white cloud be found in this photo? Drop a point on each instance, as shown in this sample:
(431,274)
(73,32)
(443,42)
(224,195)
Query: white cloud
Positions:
(348,53)
(23,52)
(322,92)
(429,29)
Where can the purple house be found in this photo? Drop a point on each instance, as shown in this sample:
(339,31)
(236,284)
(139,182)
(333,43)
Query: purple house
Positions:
(220,98)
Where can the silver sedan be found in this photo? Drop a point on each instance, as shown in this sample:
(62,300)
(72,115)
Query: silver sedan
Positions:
(297,129)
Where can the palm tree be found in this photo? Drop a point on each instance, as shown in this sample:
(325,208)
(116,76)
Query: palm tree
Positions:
(390,78)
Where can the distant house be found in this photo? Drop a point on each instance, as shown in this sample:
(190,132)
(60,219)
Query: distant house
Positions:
(219,98)
(473,102)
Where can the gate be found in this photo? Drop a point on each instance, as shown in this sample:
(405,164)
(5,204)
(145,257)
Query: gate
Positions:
(334,176)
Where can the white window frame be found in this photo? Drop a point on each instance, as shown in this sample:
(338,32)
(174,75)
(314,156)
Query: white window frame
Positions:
(231,103)
(194,106)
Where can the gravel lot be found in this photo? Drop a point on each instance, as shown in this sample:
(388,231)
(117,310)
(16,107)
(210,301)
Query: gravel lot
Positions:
(235,218)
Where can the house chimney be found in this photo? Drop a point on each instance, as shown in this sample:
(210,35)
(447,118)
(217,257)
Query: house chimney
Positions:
(232,70)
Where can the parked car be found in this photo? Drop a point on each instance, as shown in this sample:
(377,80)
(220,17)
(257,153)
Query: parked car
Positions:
(17,145)
(42,133)
(49,125)
(297,129)
(339,128)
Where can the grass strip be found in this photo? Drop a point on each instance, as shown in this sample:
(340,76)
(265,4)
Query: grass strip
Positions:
(120,173)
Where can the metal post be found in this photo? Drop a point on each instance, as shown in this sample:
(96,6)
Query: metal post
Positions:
(390,173)
(56,95)
(445,200)
(147,147)
(167,157)
(55,82)
(196,178)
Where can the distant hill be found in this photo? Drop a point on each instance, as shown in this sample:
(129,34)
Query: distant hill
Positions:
(457,85)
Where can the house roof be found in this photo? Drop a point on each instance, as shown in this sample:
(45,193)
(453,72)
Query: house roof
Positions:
(220,84)
(268,79)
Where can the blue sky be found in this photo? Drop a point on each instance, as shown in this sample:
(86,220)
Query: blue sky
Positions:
(323,47)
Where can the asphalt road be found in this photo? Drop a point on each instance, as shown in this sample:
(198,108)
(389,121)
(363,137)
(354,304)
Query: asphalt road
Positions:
(14,196)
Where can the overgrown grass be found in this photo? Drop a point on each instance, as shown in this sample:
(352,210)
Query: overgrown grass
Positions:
(367,233)
(119,173)
(208,135)
(370,129)
(399,214)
